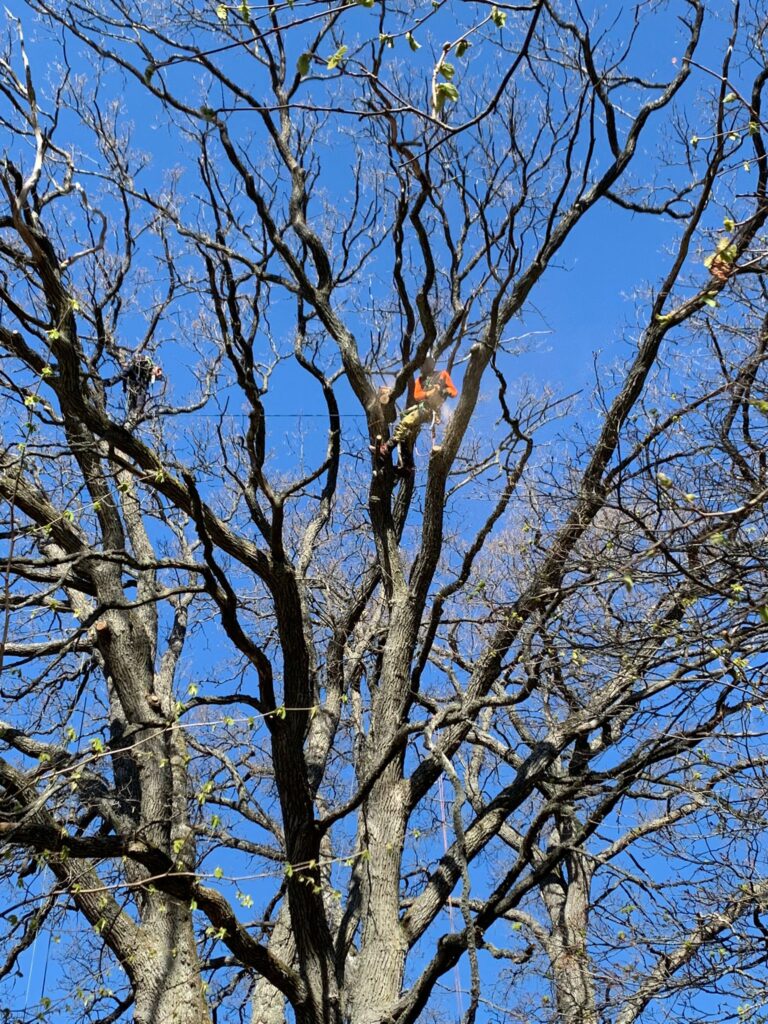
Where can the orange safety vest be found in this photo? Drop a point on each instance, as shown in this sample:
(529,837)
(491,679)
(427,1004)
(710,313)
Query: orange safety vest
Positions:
(426,386)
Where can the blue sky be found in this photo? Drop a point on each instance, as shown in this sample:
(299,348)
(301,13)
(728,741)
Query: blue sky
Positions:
(584,306)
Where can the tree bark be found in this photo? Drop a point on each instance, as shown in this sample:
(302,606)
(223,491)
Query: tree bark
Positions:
(168,985)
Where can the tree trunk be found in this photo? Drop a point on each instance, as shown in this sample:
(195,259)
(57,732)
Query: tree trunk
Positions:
(268,1004)
(169,989)
(567,902)
(381,961)
(380,965)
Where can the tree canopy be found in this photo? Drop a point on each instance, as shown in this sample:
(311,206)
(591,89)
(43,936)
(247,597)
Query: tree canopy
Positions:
(290,732)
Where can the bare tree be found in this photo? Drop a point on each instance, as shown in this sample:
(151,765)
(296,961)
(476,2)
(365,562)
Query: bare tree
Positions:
(290,733)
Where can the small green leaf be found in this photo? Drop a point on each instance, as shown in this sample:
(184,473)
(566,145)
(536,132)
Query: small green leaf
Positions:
(205,792)
(245,12)
(499,18)
(730,98)
(149,71)
(218,873)
(445,91)
(446,70)
(746,165)
(694,141)
(365,3)
(337,58)
(726,252)
(664,480)
(753,127)
(729,224)
(412,42)
(54,334)
(389,41)
(221,12)
(462,46)
(303,64)
(46,372)
(710,302)
(763,613)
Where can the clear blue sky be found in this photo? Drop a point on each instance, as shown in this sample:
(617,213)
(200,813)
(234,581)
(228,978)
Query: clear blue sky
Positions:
(585,305)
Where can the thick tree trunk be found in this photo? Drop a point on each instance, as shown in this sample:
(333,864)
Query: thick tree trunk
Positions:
(267,1003)
(168,985)
(568,907)
(380,963)
(149,760)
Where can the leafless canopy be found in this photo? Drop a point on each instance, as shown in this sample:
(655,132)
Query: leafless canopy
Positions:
(285,738)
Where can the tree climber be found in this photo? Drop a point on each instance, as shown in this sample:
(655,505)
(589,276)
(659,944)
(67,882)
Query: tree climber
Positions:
(430,391)
(138,377)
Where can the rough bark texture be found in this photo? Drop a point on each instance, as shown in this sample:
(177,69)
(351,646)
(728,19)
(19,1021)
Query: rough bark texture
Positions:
(166,967)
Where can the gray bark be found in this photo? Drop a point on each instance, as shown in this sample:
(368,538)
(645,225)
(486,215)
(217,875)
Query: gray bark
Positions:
(267,1004)
(168,985)
(567,903)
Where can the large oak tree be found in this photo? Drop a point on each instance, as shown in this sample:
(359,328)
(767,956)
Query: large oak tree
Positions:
(285,738)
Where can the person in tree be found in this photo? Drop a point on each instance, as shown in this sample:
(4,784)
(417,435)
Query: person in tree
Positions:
(429,393)
(138,377)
